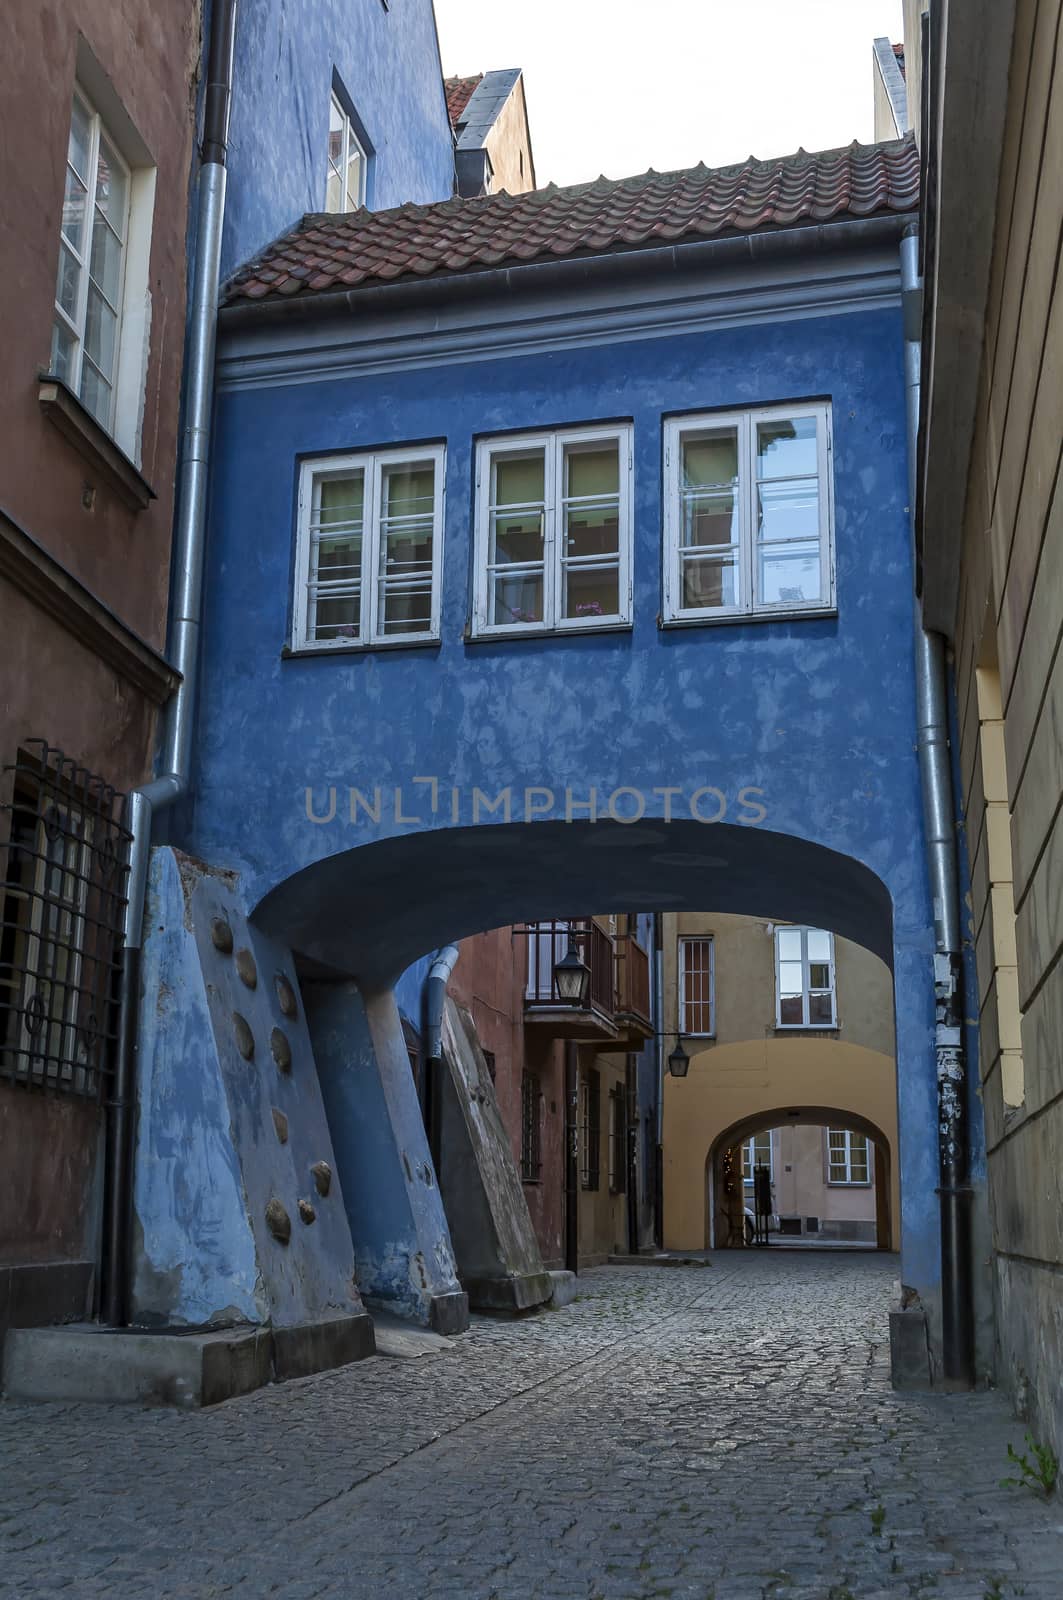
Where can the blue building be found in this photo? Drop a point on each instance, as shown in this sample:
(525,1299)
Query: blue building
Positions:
(559,559)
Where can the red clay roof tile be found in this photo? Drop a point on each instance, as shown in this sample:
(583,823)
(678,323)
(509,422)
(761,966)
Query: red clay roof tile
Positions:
(330,252)
(459,92)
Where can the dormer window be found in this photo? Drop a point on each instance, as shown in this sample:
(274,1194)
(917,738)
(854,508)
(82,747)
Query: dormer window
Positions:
(347,161)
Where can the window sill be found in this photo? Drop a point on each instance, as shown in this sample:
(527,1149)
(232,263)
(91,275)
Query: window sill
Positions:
(842,1183)
(507,635)
(297,652)
(63,408)
(807,1027)
(803,614)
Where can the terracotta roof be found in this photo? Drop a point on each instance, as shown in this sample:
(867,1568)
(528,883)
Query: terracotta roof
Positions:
(338,252)
(459,92)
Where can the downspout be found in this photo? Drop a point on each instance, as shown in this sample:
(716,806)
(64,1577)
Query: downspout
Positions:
(435,994)
(939,818)
(658,1029)
(187,585)
(443,963)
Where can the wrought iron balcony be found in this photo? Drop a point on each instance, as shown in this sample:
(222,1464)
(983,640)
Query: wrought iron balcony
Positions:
(543,1007)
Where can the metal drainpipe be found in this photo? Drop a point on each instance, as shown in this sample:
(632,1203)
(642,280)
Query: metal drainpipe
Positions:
(939,816)
(443,963)
(187,586)
(658,1024)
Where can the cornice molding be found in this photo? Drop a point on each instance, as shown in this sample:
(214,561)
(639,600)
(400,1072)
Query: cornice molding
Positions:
(300,350)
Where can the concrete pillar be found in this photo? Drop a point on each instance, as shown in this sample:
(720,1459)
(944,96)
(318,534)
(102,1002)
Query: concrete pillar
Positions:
(402,1246)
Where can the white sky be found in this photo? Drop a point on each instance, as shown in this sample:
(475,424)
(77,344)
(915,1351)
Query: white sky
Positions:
(617,86)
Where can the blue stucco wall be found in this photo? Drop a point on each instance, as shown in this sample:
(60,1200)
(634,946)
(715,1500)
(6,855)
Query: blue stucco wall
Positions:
(387,61)
(817,714)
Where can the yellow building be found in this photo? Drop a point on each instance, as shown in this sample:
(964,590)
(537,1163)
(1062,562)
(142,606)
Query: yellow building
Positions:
(786,1028)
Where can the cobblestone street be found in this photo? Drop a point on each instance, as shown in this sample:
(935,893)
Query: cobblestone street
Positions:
(725,1432)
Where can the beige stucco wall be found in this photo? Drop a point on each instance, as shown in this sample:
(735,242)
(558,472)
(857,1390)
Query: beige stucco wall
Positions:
(751,1068)
(509,147)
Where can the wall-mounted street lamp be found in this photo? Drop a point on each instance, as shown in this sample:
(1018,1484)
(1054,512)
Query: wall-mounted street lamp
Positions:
(572,977)
(678,1061)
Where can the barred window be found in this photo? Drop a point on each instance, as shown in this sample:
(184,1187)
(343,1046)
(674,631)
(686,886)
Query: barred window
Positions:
(617,1139)
(531,1164)
(590,1132)
(696,983)
(60,915)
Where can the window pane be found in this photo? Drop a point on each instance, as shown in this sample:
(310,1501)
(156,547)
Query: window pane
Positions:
(787,449)
(592,471)
(788,511)
(592,525)
(101,332)
(112,190)
(354,178)
(709,479)
(333,191)
(516,538)
(820,1008)
(62,351)
(708,581)
(95,393)
(592,592)
(408,499)
(105,262)
(710,517)
(791,1010)
(818,944)
(711,459)
(74,203)
(792,577)
(517,598)
(520,480)
(339,501)
(337,125)
(836,1138)
(336,557)
(819,975)
(789,944)
(67,282)
(80,138)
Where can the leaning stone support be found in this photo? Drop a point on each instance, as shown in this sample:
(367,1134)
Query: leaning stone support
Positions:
(402,1245)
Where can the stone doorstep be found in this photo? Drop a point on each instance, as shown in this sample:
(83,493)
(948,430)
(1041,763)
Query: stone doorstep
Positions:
(87,1362)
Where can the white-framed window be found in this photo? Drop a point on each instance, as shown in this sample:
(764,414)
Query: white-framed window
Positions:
(848,1157)
(553,531)
(804,978)
(90,282)
(348,163)
(697,998)
(757,1152)
(748,514)
(369,551)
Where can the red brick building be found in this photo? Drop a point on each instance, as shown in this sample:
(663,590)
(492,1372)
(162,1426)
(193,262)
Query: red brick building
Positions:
(99,123)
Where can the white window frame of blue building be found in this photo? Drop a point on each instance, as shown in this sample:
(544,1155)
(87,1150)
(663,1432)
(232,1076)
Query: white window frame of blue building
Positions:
(805,957)
(375,577)
(743,561)
(551,570)
(346,155)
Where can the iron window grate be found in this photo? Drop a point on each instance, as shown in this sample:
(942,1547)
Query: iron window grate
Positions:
(64,866)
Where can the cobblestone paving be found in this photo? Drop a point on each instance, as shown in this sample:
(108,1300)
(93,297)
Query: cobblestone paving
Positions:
(725,1432)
